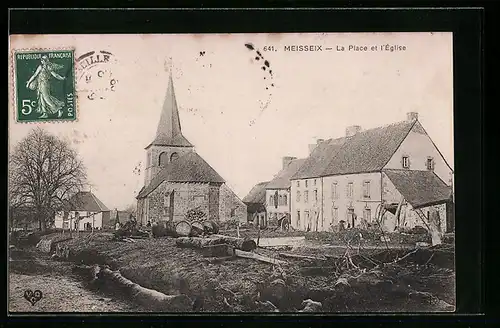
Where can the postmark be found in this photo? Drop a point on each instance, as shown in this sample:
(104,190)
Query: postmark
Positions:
(95,76)
(45,85)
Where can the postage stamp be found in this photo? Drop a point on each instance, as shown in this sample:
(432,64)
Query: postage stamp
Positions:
(45,86)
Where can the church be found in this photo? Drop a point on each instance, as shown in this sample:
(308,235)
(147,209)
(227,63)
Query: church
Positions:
(178,180)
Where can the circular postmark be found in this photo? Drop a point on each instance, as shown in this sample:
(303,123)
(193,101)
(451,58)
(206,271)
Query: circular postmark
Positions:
(95,78)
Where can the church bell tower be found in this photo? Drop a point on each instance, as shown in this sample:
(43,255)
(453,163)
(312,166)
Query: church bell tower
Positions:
(169,143)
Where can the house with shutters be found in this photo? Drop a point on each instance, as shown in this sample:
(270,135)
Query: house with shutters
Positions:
(177,179)
(394,175)
(278,189)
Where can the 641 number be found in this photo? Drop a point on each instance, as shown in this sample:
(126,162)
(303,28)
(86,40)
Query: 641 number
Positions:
(27,106)
(269,48)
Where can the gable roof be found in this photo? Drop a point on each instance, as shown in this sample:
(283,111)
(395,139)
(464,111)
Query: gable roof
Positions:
(85,201)
(369,150)
(419,188)
(189,167)
(169,132)
(366,151)
(257,194)
(319,159)
(282,179)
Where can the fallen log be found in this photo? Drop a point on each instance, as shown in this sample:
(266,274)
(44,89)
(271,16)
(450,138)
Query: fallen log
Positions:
(210,227)
(198,242)
(149,298)
(220,250)
(250,255)
(302,257)
(196,229)
(240,243)
(183,228)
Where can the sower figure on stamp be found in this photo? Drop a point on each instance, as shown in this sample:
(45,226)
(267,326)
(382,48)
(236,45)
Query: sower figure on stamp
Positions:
(40,81)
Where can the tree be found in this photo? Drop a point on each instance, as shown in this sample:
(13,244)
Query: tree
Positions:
(44,171)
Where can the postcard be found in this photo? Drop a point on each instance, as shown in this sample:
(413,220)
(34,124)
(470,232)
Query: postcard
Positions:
(233,173)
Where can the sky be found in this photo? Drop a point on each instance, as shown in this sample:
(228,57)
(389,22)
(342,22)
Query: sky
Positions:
(241,118)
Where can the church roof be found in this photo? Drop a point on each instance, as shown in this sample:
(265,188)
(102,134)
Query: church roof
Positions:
(189,167)
(169,132)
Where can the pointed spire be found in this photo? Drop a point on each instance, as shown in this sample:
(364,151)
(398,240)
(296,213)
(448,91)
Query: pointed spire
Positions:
(169,132)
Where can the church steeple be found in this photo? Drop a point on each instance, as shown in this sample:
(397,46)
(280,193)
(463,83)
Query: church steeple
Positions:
(169,132)
(169,143)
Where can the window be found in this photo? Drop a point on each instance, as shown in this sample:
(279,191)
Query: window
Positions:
(306,183)
(314,181)
(367,214)
(335,214)
(298,196)
(306,196)
(430,163)
(366,189)
(166,204)
(174,156)
(162,159)
(315,195)
(405,161)
(298,219)
(335,195)
(298,183)
(285,200)
(350,190)
(280,202)
(271,201)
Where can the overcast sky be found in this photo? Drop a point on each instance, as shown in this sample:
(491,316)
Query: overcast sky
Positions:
(240,128)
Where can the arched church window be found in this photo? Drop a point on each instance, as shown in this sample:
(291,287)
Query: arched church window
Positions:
(163,159)
(174,156)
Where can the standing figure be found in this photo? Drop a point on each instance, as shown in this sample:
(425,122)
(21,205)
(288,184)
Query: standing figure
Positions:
(40,81)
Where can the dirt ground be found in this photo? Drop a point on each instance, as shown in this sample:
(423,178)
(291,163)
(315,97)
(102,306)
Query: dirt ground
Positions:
(60,294)
(419,280)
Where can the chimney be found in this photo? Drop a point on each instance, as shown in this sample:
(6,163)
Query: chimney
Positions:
(352,130)
(287,160)
(319,141)
(412,116)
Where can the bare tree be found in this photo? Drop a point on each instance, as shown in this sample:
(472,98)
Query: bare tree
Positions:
(44,172)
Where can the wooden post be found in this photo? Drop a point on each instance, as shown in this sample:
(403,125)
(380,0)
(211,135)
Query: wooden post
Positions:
(70,226)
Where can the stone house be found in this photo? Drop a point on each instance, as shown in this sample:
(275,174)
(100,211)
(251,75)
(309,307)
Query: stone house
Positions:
(83,211)
(255,201)
(393,175)
(177,179)
(278,189)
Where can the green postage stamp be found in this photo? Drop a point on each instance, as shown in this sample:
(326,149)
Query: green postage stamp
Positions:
(45,86)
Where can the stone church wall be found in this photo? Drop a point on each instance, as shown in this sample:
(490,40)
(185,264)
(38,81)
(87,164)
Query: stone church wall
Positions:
(186,196)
